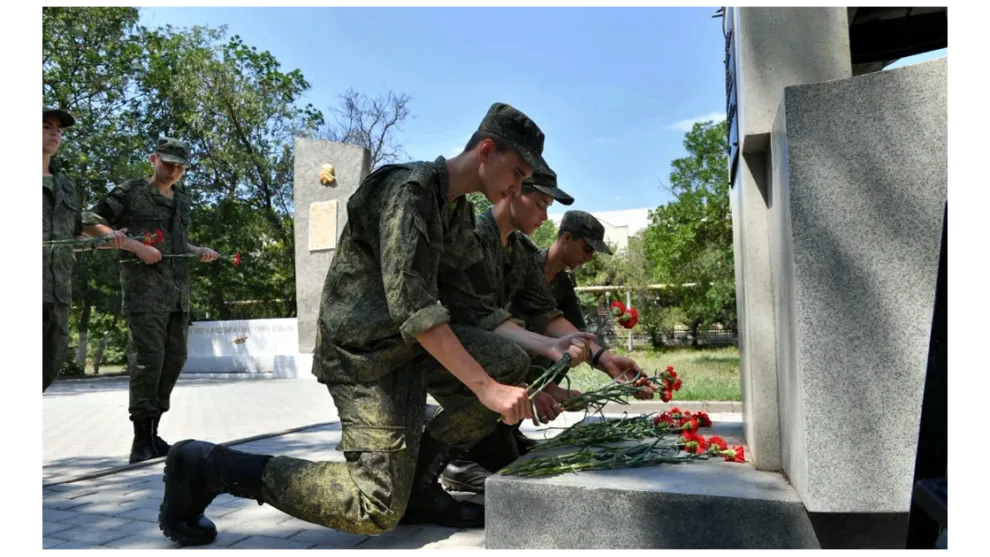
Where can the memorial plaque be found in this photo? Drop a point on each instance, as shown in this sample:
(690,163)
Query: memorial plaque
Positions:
(323,225)
(731,84)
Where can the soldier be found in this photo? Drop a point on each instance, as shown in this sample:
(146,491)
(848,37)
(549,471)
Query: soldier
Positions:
(155,287)
(519,271)
(382,339)
(61,220)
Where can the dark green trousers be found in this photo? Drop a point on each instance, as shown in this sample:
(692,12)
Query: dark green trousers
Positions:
(55,339)
(157,355)
(382,424)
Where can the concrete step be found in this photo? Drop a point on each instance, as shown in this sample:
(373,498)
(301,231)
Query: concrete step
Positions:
(703,504)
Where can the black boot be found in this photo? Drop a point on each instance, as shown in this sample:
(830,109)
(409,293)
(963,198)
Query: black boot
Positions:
(428,502)
(195,473)
(161,447)
(143,447)
(468,470)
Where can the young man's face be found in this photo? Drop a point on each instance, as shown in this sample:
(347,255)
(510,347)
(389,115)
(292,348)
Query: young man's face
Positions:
(51,134)
(576,251)
(529,211)
(501,174)
(167,172)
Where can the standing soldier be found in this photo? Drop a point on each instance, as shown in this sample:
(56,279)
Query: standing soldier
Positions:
(155,284)
(61,220)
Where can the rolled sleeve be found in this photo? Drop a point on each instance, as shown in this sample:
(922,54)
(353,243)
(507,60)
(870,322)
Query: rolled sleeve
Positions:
(423,320)
(494,319)
(409,259)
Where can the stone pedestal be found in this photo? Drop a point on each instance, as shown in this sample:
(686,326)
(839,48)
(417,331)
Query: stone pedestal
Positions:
(320,217)
(856,197)
(697,505)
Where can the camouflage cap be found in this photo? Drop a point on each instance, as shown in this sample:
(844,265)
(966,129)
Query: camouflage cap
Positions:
(546,183)
(64,118)
(519,131)
(583,225)
(173,150)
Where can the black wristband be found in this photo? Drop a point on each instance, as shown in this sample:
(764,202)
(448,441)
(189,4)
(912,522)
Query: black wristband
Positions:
(597,356)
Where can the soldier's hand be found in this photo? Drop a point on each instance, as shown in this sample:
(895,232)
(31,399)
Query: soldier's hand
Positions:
(116,238)
(207,255)
(511,402)
(575,344)
(546,408)
(559,393)
(149,254)
(626,370)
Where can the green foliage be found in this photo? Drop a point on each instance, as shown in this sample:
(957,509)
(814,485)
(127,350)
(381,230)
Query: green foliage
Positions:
(689,240)
(545,235)
(479,201)
(238,110)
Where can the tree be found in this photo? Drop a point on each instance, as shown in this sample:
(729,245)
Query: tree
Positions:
(545,235)
(371,122)
(89,58)
(479,201)
(239,113)
(689,240)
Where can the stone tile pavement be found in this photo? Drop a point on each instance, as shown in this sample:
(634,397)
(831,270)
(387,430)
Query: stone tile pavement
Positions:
(86,427)
(120,511)
(86,432)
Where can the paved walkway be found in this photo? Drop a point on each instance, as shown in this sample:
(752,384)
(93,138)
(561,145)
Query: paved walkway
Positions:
(86,428)
(120,511)
(86,431)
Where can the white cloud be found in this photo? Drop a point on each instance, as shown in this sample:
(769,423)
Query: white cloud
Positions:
(686,125)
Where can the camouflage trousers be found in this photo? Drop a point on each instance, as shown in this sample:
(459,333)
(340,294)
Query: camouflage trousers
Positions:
(55,339)
(381,427)
(157,355)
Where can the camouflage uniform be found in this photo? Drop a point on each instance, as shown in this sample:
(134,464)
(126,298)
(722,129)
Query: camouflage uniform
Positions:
(508,276)
(155,297)
(379,294)
(61,220)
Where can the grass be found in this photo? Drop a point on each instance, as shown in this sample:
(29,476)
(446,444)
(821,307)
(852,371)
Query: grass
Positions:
(707,374)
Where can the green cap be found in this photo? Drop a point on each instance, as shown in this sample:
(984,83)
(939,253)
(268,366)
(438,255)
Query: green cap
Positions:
(64,118)
(546,183)
(173,150)
(519,131)
(583,225)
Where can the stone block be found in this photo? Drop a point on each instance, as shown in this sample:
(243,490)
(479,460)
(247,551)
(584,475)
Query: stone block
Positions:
(856,198)
(351,165)
(654,507)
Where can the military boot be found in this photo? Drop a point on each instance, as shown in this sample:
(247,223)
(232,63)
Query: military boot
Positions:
(468,470)
(195,473)
(161,447)
(523,443)
(428,502)
(142,448)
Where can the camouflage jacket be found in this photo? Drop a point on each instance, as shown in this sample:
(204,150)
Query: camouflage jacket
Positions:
(562,290)
(381,288)
(481,294)
(61,220)
(138,206)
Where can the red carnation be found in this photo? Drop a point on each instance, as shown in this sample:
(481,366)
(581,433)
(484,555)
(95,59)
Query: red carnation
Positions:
(666,395)
(735,455)
(675,411)
(671,372)
(630,319)
(237,259)
(703,419)
(677,385)
(618,308)
(662,419)
(689,424)
(718,443)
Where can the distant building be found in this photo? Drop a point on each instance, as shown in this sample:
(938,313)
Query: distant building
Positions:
(619,225)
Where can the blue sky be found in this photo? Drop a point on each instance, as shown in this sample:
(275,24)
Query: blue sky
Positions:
(613,89)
